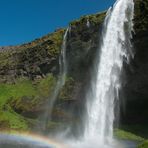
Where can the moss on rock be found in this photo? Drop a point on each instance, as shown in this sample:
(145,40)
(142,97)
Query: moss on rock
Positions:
(66,92)
(95,19)
(141,16)
(124,135)
(31,60)
(23,101)
(143,145)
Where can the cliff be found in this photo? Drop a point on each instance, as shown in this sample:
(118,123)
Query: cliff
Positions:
(134,92)
(29,72)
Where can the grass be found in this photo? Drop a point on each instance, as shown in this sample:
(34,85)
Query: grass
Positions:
(95,18)
(65,93)
(46,86)
(21,88)
(8,117)
(15,121)
(35,91)
(143,145)
(124,135)
(138,129)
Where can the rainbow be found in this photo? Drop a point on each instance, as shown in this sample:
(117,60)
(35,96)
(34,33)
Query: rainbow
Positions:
(32,137)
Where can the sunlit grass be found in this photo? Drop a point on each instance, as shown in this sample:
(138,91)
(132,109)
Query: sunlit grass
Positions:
(23,88)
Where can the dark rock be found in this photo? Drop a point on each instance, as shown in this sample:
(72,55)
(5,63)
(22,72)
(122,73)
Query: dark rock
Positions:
(135,90)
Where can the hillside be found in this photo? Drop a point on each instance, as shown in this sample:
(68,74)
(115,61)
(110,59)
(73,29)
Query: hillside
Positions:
(29,72)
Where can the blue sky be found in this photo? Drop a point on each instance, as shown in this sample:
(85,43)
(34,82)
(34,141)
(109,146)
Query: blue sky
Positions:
(25,20)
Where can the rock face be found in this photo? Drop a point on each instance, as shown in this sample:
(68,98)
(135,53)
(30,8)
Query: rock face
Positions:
(28,75)
(135,90)
(31,60)
(136,86)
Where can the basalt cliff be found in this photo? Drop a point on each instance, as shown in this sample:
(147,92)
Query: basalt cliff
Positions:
(29,73)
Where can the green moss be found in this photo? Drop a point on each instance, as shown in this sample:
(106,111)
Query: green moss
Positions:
(66,91)
(138,129)
(24,95)
(143,145)
(96,18)
(28,57)
(21,88)
(56,38)
(31,99)
(7,115)
(127,135)
(45,86)
(141,15)
(14,120)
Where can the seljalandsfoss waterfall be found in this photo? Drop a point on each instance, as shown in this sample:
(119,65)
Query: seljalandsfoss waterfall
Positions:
(106,81)
(106,85)
(80,87)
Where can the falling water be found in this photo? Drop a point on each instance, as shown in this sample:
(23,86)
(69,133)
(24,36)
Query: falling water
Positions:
(88,23)
(106,84)
(60,83)
(63,71)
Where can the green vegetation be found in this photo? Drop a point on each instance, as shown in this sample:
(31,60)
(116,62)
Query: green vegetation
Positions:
(141,11)
(11,120)
(137,129)
(24,86)
(31,59)
(67,89)
(143,145)
(46,86)
(96,18)
(8,118)
(127,135)
(24,95)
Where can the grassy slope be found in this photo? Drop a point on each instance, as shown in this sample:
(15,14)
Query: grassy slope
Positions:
(143,145)
(124,135)
(13,91)
(121,134)
(23,87)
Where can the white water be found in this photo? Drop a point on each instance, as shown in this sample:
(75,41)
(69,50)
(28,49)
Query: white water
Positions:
(62,74)
(62,62)
(88,23)
(107,83)
(106,78)
(61,80)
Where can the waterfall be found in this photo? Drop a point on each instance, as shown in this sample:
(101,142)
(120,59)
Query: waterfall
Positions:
(62,74)
(88,23)
(60,82)
(106,80)
(62,61)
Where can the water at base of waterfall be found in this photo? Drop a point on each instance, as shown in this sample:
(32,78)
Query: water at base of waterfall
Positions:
(14,141)
(95,143)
